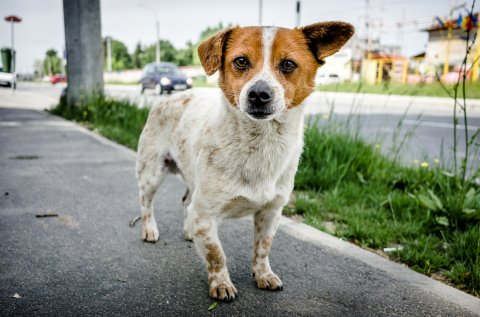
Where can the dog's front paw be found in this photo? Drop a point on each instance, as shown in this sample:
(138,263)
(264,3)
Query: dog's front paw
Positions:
(188,236)
(269,281)
(150,232)
(222,289)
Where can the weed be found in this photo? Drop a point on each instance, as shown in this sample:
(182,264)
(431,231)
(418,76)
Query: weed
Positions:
(119,120)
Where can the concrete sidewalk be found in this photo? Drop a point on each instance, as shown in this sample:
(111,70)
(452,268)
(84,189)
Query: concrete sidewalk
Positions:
(87,261)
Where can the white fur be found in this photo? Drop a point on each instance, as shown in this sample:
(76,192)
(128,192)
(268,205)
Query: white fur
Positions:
(232,165)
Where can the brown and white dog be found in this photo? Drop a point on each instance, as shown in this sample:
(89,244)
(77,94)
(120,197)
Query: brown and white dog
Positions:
(237,151)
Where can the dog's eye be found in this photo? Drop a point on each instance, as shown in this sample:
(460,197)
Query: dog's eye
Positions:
(241,63)
(287,66)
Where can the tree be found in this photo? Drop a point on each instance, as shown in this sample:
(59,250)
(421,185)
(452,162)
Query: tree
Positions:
(185,55)
(139,56)
(209,31)
(52,64)
(168,53)
(121,59)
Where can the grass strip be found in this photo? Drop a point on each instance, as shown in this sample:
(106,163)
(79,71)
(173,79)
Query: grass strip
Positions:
(432,90)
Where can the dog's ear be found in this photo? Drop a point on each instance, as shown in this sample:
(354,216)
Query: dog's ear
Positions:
(210,51)
(326,38)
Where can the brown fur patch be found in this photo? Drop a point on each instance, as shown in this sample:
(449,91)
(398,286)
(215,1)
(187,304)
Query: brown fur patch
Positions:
(215,258)
(211,51)
(266,243)
(242,42)
(186,101)
(212,154)
(234,202)
(202,232)
(292,45)
(327,38)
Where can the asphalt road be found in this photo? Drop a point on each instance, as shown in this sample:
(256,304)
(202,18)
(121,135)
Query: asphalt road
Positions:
(428,121)
(88,261)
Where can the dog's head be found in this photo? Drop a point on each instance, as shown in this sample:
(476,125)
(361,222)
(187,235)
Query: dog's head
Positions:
(267,70)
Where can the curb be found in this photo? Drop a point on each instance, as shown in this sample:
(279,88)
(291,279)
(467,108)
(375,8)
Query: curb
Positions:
(400,272)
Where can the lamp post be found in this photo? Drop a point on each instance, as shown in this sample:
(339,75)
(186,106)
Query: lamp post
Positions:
(13,19)
(260,7)
(109,53)
(157,46)
(297,23)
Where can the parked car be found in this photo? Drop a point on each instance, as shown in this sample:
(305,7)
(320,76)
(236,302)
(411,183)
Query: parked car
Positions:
(324,79)
(58,78)
(7,79)
(164,77)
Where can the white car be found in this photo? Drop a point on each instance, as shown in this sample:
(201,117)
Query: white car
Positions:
(7,79)
(324,79)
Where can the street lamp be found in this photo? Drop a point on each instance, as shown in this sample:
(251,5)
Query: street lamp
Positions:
(13,19)
(157,46)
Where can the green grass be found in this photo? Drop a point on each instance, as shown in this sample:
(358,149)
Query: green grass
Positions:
(202,82)
(117,82)
(348,188)
(119,120)
(433,90)
(376,203)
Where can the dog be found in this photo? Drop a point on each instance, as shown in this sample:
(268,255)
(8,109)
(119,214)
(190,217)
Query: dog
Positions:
(237,151)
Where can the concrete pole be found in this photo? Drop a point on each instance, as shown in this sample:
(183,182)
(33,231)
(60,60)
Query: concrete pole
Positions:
(12,62)
(260,5)
(109,53)
(157,22)
(83,41)
(367,28)
(298,15)
(157,47)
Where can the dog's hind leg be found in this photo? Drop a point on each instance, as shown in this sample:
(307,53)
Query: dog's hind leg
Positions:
(187,217)
(153,163)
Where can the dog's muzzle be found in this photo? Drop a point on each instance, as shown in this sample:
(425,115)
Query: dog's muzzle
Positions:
(260,97)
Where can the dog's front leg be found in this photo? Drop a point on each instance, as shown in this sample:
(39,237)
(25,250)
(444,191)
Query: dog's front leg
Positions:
(208,245)
(266,225)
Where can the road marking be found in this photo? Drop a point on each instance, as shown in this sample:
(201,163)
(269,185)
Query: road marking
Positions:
(434,124)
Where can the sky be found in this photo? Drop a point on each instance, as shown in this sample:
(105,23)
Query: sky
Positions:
(133,21)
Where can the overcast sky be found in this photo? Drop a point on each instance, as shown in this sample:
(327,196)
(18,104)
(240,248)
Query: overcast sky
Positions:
(182,20)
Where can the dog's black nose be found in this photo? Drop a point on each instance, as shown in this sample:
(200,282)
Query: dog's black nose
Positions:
(260,94)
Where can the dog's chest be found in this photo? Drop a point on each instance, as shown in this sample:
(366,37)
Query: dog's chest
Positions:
(250,165)
(229,159)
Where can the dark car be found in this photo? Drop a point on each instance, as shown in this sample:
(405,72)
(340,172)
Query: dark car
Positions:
(164,77)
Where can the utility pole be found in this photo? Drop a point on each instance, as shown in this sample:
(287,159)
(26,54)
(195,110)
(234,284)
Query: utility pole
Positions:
(157,23)
(367,28)
(83,41)
(260,4)
(298,14)
(109,53)
(157,46)
(13,19)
